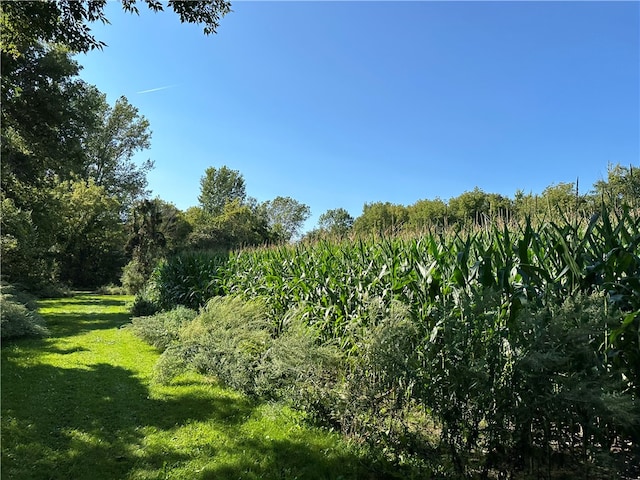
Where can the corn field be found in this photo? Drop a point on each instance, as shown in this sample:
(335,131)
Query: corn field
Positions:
(502,349)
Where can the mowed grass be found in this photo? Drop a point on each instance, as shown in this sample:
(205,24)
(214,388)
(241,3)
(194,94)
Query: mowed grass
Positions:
(82,404)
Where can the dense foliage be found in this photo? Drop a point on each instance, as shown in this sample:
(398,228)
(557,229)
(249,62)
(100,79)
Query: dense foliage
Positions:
(75,206)
(18,314)
(481,335)
(68,21)
(67,174)
(494,349)
(69,186)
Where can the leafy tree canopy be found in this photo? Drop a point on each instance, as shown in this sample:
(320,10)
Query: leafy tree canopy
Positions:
(56,124)
(220,186)
(336,221)
(89,234)
(380,217)
(65,149)
(469,205)
(67,21)
(286,216)
(46,113)
(621,186)
(110,147)
(561,197)
(426,213)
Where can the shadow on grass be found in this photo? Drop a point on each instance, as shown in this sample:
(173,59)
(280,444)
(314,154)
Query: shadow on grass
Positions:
(86,299)
(91,423)
(63,324)
(69,317)
(98,421)
(290,459)
(62,351)
(60,423)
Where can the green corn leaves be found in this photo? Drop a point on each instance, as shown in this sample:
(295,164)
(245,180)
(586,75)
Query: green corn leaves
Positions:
(513,337)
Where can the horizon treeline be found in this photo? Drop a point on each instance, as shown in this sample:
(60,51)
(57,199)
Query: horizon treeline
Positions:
(479,208)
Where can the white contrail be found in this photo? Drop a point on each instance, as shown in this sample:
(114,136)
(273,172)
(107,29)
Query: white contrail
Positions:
(156,89)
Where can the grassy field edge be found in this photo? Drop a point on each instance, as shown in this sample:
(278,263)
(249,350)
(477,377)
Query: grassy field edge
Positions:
(82,404)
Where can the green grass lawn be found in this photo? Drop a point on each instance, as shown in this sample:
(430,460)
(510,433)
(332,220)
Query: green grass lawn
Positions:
(81,404)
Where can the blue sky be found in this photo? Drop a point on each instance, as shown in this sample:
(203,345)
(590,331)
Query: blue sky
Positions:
(340,103)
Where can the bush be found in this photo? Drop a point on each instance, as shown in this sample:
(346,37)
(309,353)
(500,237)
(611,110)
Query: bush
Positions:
(162,329)
(483,394)
(564,377)
(378,387)
(367,392)
(133,277)
(235,341)
(18,317)
(296,366)
(227,340)
(15,293)
(146,302)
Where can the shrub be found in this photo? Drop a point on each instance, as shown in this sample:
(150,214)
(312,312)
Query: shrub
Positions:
(227,340)
(146,302)
(296,366)
(133,277)
(16,294)
(162,329)
(18,317)
(112,289)
(570,396)
(379,383)
(234,340)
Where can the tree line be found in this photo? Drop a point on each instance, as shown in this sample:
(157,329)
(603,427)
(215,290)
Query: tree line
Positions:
(76,209)
(479,208)
(69,186)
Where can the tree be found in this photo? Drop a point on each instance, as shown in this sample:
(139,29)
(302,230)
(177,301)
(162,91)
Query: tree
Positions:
(120,132)
(560,198)
(286,216)
(146,239)
(145,245)
(336,222)
(23,249)
(70,232)
(470,206)
(499,206)
(203,234)
(220,186)
(67,21)
(59,134)
(174,227)
(66,155)
(241,225)
(46,114)
(622,186)
(56,124)
(238,225)
(525,204)
(426,213)
(380,218)
(89,234)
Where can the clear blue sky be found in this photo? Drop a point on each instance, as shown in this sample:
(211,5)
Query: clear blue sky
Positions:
(340,103)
